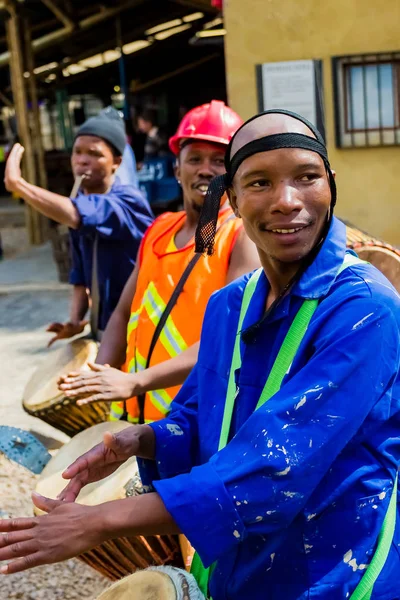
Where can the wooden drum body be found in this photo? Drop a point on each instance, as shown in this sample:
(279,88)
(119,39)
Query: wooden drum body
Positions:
(44,400)
(383,256)
(120,557)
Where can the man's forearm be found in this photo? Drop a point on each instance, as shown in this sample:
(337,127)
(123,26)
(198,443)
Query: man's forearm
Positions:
(140,515)
(167,374)
(79,304)
(56,207)
(112,349)
(147,442)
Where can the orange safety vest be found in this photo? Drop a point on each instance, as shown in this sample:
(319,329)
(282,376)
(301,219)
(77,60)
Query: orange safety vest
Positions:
(159,273)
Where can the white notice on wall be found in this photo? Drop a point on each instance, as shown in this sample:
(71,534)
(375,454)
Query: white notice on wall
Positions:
(290,85)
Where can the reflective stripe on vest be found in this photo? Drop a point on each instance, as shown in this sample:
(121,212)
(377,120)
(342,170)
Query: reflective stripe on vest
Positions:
(133,322)
(137,363)
(135,420)
(157,278)
(116,411)
(170,337)
(160,399)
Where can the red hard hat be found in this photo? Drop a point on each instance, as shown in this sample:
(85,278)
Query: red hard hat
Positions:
(213,122)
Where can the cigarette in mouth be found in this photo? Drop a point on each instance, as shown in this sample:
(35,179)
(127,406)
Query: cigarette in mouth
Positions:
(77,184)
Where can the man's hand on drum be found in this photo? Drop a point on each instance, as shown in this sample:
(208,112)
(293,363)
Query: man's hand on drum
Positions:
(102,383)
(103,459)
(66,531)
(65,330)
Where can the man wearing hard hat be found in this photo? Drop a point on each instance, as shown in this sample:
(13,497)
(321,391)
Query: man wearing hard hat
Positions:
(158,319)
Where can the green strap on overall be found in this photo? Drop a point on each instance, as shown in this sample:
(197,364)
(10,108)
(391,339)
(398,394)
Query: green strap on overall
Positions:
(279,369)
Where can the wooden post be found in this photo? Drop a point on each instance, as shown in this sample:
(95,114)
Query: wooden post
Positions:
(36,127)
(33,219)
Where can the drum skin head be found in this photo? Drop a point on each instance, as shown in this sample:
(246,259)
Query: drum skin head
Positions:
(143,585)
(41,390)
(51,483)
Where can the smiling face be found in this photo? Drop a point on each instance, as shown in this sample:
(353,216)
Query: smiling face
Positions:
(283,196)
(94,158)
(197,164)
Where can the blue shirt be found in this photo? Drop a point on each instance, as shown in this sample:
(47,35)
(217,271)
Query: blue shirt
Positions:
(119,219)
(292,507)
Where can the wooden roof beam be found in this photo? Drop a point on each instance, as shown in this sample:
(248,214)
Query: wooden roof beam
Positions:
(86,23)
(60,14)
(148,84)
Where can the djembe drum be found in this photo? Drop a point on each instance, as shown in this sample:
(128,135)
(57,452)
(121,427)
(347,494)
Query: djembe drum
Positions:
(163,583)
(120,557)
(383,256)
(44,400)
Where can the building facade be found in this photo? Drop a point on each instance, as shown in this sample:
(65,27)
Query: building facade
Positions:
(355,47)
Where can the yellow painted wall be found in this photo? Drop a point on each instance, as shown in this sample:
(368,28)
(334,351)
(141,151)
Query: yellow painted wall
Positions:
(260,31)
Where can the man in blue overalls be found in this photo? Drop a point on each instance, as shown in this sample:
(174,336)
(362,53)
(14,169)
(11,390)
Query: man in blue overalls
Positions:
(104,215)
(279,458)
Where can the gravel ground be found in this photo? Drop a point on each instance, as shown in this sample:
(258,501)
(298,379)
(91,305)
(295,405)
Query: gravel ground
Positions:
(30,298)
(71,580)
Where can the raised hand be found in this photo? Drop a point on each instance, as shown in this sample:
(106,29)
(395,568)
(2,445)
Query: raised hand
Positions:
(100,461)
(12,173)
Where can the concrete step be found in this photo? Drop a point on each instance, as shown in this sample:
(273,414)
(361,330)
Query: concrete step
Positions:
(11,215)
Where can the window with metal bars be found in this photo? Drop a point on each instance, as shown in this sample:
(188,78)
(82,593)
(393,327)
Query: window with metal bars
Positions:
(367,100)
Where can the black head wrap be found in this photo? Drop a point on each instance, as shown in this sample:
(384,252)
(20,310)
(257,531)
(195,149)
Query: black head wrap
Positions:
(206,228)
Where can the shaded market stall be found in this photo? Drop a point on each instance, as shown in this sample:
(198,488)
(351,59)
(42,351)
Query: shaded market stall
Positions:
(62,61)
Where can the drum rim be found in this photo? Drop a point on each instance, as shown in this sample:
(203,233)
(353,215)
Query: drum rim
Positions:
(149,550)
(59,399)
(369,241)
(133,578)
(113,426)
(382,249)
